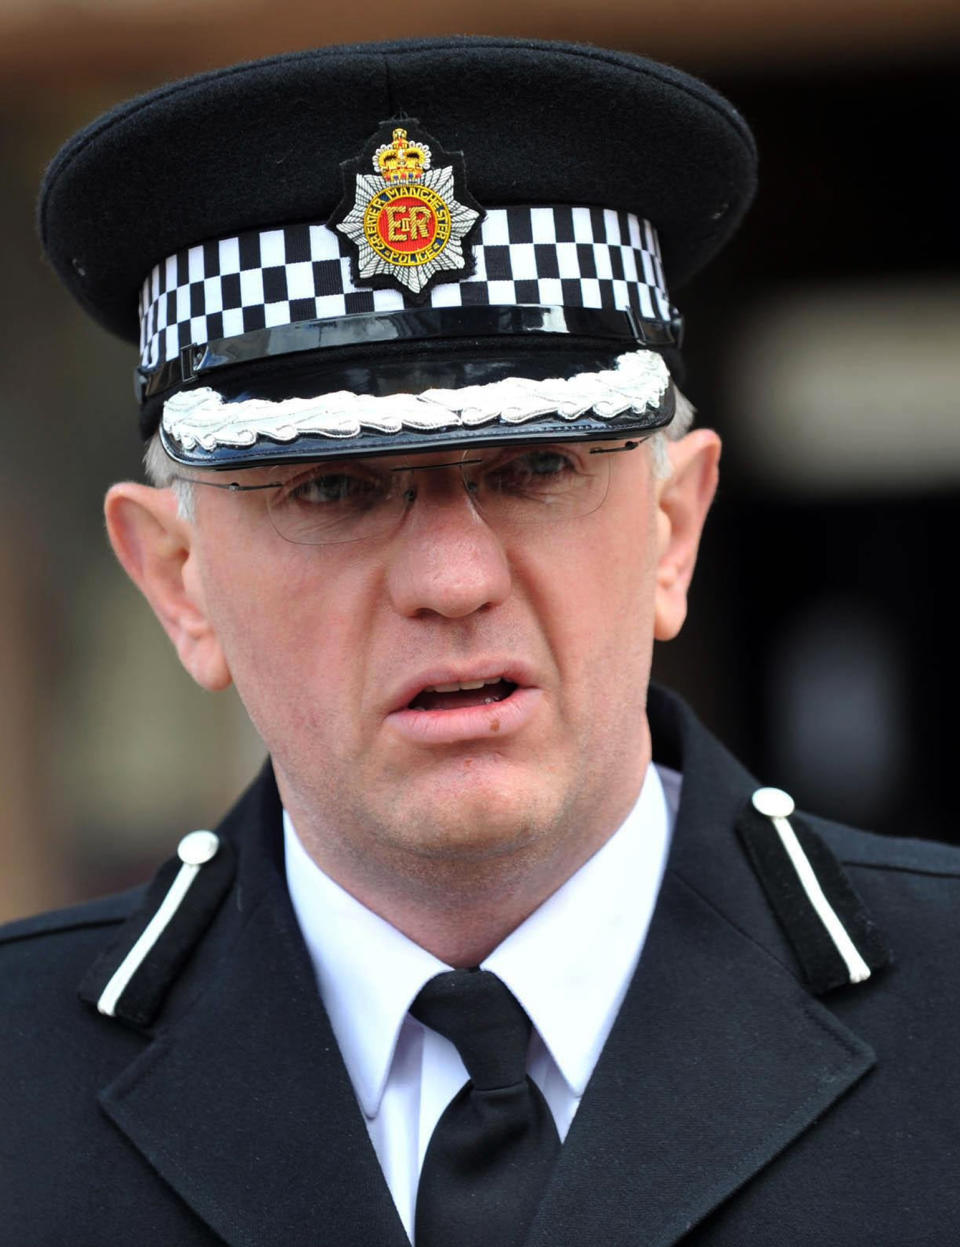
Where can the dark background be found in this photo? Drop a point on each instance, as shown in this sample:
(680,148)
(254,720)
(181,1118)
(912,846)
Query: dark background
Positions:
(855,192)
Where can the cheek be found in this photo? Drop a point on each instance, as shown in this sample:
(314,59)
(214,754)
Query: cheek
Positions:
(603,573)
(617,607)
(284,629)
(593,591)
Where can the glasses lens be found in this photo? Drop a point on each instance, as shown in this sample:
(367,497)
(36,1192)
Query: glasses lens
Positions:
(537,484)
(354,500)
(333,502)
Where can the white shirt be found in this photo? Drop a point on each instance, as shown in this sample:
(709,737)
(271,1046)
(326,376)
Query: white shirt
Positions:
(568,964)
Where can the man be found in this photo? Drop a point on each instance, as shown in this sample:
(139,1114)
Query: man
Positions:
(499,948)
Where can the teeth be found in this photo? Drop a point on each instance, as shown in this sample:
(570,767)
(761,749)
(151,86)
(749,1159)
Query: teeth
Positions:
(455,688)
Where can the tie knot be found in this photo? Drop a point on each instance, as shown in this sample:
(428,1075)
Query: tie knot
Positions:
(482,1018)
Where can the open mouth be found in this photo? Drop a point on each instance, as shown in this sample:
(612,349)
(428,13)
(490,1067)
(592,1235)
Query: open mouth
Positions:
(458,696)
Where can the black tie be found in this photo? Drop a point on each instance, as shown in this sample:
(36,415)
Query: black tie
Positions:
(493,1149)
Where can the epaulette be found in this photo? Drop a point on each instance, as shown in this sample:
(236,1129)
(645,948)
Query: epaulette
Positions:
(826,923)
(131,979)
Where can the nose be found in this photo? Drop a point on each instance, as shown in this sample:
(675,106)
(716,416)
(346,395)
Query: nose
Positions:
(445,559)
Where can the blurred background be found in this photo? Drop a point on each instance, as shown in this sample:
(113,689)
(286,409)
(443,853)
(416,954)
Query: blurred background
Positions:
(824,345)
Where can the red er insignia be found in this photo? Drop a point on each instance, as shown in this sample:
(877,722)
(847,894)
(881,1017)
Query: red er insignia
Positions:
(410,216)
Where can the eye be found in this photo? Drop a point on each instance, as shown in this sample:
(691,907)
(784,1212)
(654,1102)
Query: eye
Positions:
(332,488)
(534,471)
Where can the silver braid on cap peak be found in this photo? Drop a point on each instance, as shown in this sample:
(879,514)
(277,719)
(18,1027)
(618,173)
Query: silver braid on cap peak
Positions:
(201,417)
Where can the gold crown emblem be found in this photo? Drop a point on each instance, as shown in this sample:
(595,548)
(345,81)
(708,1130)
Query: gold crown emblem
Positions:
(401,160)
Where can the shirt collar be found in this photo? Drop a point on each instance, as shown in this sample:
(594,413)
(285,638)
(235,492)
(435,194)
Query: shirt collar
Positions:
(571,962)
(368,972)
(568,964)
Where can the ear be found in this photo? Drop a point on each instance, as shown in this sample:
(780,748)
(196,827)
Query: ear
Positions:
(155,546)
(684,499)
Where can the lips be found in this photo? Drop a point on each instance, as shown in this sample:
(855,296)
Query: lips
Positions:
(499,678)
(460,694)
(489,699)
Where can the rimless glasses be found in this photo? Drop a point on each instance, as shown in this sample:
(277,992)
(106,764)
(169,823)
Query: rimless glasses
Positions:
(341,500)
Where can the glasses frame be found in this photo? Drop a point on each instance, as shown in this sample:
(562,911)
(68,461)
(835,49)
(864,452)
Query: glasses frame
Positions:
(235,487)
(409,494)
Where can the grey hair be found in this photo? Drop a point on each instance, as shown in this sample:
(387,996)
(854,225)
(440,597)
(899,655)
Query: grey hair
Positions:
(162,472)
(679,426)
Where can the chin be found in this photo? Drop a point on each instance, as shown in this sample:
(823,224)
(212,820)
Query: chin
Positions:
(476,823)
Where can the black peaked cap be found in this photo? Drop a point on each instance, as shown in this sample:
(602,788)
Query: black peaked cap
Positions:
(261,144)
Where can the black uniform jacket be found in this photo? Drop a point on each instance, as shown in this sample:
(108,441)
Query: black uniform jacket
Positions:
(730,1106)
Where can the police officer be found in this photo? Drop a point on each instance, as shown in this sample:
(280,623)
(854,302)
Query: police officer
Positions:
(501,947)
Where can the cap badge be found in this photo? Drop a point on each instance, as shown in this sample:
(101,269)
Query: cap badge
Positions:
(411,219)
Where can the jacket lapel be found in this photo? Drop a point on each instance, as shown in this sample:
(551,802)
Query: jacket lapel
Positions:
(718,1060)
(242,1102)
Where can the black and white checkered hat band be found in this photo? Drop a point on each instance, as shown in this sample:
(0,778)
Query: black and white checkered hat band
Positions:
(554,256)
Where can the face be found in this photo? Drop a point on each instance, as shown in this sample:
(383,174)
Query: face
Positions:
(344,655)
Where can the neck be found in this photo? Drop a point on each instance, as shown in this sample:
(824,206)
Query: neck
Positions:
(460,919)
(461,907)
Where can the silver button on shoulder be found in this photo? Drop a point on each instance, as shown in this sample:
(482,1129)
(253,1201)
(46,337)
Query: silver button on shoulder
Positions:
(773,802)
(198,847)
